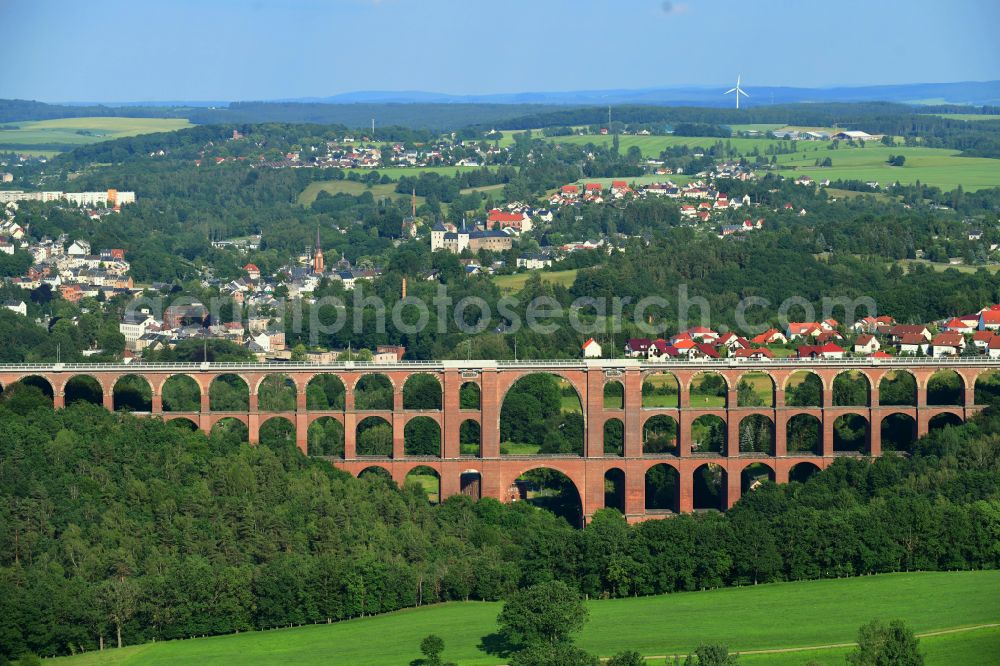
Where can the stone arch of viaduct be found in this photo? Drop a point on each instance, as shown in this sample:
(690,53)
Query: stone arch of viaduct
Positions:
(496,472)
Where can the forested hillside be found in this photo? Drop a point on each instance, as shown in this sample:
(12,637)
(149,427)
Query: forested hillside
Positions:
(108,523)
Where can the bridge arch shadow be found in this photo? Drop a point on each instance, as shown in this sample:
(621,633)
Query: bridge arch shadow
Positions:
(549,488)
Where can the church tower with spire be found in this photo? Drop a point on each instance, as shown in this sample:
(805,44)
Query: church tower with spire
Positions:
(318,256)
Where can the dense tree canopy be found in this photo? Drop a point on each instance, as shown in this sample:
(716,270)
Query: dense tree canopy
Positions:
(108,520)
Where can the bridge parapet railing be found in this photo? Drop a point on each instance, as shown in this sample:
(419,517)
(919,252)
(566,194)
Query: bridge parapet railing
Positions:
(576,364)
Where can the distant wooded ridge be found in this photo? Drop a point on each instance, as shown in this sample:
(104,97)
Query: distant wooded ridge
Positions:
(442,111)
(964,93)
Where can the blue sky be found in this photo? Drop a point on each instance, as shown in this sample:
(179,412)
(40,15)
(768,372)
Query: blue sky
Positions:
(130,50)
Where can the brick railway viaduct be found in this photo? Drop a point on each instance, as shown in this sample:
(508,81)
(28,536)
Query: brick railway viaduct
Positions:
(490,474)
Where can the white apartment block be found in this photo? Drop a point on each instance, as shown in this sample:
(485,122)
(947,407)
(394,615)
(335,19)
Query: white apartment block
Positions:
(107,198)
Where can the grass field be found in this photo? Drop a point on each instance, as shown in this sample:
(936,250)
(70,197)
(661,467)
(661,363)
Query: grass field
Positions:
(763,617)
(69,133)
(975,647)
(679,179)
(430,483)
(762,386)
(653,145)
(961,268)
(661,382)
(352,187)
(967,116)
(493,192)
(756,127)
(513,283)
(519,449)
(934,166)
(836,193)
(570,403)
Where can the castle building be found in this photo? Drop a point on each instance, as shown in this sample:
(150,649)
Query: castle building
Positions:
(446,237)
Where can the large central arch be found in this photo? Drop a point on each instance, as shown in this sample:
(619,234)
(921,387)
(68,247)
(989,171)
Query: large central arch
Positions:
(542,414)
(551,489)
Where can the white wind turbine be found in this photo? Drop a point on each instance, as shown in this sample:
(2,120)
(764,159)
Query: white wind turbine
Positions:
(739,91)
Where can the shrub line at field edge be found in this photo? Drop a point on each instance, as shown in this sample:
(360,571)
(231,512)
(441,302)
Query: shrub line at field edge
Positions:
(833,646)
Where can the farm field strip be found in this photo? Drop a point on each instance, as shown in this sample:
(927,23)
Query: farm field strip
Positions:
(72,132)
(828,611)
(936,166)
(514,283)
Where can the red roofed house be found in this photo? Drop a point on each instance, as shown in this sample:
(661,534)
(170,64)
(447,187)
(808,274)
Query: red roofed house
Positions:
(958,326)
(504,220)
(970,319)
(947,344)
(913,343)
(771,336)
(993,349)
(594,188)
(829,350)
(660,348)
(871,324)
(636,347)
(827,336)
(989,320)
(570,191)
(620,186)
(866,344)
(803,329)
(684,344)
(252,271)
(591,349)
(701,334)
(881,354)
(982,339)
(732,341)
(900,330)
(703,350)
(756,354)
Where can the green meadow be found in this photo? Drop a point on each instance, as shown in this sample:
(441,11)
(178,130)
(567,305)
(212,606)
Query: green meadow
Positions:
(39,136)
(653,145)
(778,616)
(679,179)
(510,284)
(934,166)
(353,187)
(967,116)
